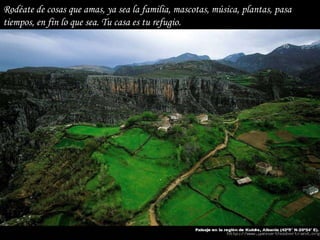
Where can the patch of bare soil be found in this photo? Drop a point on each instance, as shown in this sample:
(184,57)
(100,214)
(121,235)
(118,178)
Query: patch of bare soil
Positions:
(294,207)
(317,195)
(313,158)
(285,135)
(314,165)
(276,173)
(255,138)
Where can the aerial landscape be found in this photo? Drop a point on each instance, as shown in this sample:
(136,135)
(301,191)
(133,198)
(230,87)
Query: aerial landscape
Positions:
(217,135)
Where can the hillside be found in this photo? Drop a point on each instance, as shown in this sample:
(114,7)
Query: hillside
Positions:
(311,76)
(93,68)
(184,69)
(110,175)
(43,97)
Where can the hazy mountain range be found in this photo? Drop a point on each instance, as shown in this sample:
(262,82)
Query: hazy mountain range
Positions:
(288,58)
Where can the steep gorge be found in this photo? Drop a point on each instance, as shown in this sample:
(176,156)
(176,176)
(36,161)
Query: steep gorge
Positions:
(30,100)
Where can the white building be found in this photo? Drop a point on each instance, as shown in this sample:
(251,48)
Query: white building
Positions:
(310,190)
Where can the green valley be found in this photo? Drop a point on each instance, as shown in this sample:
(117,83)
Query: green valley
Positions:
(111,175)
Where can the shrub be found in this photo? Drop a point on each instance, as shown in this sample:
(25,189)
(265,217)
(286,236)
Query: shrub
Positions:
(145,116)
(149,116)
(191,151)
(100,125)
(269,142)
(267,125)
(275,185)
(132,120)
(191,118)
(91,145)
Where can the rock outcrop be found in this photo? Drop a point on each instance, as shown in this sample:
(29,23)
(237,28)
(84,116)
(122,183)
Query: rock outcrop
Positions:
(185,95)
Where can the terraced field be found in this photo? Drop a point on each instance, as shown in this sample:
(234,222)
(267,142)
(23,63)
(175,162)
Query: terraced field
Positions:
(139,180)
(139,164)
(251,205)
(132,168)
(93,131)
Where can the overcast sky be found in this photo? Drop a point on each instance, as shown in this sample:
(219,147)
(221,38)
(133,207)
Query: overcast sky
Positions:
(116,47)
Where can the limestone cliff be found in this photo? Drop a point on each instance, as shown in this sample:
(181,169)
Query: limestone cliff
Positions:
(183,95)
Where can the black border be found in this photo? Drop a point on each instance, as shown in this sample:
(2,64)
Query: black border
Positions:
(146,232)
(305,15)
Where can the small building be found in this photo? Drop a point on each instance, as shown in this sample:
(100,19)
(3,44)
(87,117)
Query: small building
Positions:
(263,168)
(164,128)
(310,190)
(243,181)
(203,118)
(175,117)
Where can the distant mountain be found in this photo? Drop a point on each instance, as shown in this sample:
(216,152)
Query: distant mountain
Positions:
(182,69)
(37,69)
(93,68)
(233,57)
(53,70)
(183,58)
(288,58)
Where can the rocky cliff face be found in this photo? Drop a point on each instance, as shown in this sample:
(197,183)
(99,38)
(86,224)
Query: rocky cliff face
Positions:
(194,95)
(30,100)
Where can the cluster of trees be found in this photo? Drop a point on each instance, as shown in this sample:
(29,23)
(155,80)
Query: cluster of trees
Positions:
(136,119)
(275,185)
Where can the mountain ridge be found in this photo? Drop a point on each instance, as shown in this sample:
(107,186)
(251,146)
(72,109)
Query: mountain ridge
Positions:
(288,58)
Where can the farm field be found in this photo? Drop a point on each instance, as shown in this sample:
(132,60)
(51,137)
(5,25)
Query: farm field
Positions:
(305,217)
(142,165)
(252,202)
(310,130)
(140,181)
(295,206)
(242,151)
(158,149)
(208,183)
(139,164)
(138,176)
(255,138)
(131,139)
(93,131)
(179,209)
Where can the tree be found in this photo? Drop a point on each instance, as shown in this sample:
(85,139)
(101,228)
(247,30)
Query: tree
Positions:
(191,152)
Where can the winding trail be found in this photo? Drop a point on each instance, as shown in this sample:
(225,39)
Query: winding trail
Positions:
(181,178)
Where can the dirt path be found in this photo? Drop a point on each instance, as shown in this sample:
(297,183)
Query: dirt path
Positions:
(181,178)
(233,174)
